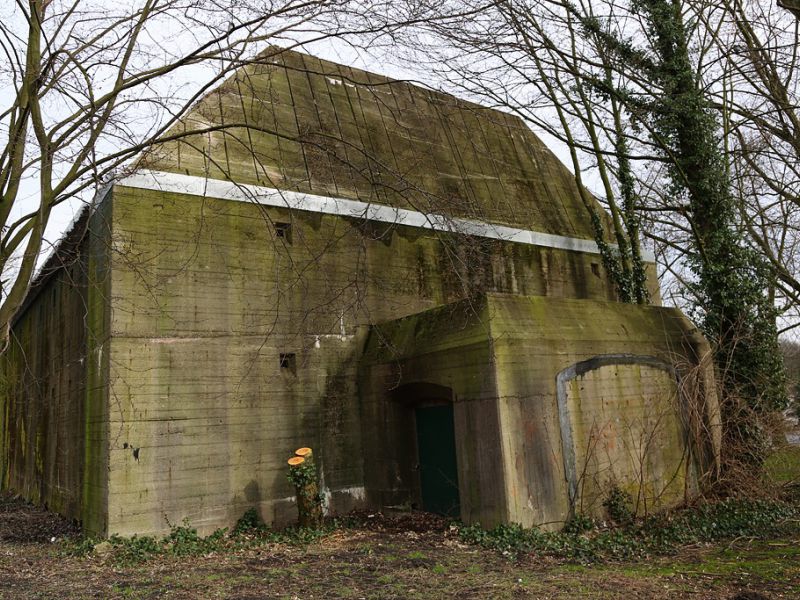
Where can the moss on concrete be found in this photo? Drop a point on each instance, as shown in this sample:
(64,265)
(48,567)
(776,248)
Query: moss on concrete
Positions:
(367,137)
(186,410)
(525,343)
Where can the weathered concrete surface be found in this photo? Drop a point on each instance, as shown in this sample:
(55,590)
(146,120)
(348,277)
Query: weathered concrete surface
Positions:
(321,127)
(198,328)
(536,339)
(189,303)
(53,430)
(623,422)
(626,416)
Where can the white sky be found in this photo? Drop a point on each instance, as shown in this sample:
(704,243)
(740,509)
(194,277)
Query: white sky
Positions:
(190,79)
(183,83)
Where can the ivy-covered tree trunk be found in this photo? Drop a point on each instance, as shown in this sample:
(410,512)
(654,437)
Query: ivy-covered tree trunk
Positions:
(303,474)
(732,281)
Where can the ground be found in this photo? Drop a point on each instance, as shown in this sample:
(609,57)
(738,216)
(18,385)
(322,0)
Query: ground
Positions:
(409,557)
(379,557)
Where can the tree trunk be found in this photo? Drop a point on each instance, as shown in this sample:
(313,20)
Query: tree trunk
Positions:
(303,474)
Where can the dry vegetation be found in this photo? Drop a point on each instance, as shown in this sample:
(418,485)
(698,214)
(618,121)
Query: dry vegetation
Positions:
(413,556)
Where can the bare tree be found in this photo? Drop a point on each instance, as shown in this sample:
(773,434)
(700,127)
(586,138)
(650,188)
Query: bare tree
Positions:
(91,83)
(684,113)
(756,50)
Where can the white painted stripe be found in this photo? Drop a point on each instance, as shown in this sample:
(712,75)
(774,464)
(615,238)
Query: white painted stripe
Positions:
(226,190)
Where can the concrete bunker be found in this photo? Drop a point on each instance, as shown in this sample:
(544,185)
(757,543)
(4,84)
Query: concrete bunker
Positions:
(204,317)
(547,422)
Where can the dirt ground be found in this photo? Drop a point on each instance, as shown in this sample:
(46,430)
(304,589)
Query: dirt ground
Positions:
(411,557)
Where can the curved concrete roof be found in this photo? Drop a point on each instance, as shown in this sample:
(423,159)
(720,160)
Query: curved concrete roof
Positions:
(295,122)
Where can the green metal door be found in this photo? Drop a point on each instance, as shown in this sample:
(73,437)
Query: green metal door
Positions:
(438,471)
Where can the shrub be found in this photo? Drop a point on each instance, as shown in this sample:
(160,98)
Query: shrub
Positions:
(658,534)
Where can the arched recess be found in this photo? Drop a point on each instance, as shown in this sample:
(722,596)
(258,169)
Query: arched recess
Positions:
(422,391)
(622,426)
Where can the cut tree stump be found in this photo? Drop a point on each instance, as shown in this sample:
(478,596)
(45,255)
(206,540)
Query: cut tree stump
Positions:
(303,474)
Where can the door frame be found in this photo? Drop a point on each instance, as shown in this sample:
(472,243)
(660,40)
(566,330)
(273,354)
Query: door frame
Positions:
(421,394)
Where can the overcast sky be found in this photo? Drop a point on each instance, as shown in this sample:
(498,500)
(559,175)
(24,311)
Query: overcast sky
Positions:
(182,84)
(385,63)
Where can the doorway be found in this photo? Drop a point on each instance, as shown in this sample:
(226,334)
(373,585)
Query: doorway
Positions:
(438,468)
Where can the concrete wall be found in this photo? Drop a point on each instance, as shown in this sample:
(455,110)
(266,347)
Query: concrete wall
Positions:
(622,420)
(449,347)
(557,401)
(621,353)
(206,297)
(184,408)
(53,432)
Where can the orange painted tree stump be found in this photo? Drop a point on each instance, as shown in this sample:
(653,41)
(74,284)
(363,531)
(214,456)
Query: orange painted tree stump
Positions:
(303,474)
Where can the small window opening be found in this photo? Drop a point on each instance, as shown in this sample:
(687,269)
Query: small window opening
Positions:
(284,230)
(289,362)
(596,269)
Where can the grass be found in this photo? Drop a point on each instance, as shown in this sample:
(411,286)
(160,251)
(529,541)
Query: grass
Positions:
(431,565)
(783,466)
(756,563)
(711,552)
(657,535)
